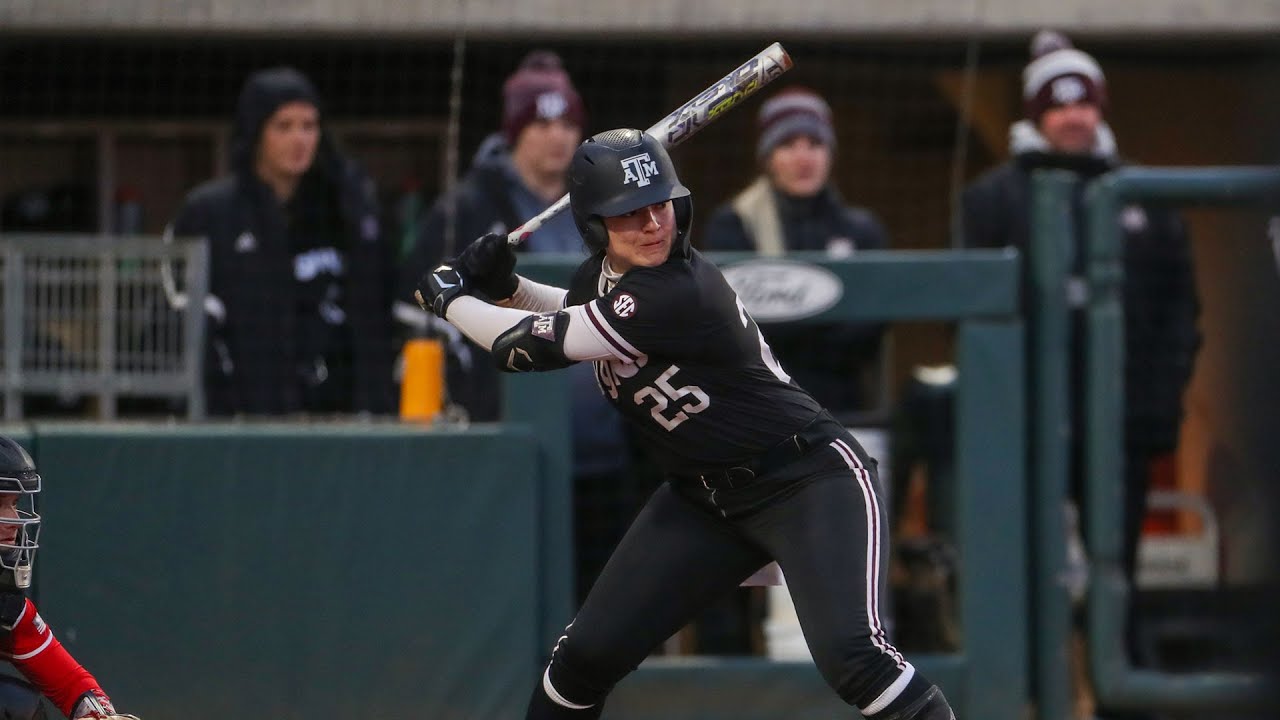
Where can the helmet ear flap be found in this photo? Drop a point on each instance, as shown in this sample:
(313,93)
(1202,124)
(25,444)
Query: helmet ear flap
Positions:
(594,234)
(597,236)
(683,208)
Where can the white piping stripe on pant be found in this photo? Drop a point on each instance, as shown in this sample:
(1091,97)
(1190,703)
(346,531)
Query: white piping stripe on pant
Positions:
(890,693)
(878,637)
(556,697)
(869,492)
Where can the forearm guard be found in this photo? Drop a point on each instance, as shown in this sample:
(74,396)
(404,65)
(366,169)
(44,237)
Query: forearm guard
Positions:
(534,344)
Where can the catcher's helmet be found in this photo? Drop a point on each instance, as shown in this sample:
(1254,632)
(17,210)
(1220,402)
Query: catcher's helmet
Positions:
(617,171)
(18,477)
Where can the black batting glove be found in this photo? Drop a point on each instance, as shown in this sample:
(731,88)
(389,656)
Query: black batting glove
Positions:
(490,263)
(440,287)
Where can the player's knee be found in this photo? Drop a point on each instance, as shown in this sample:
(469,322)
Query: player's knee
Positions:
(855,669)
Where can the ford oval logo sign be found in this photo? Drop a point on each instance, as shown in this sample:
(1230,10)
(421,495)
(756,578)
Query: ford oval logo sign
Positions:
(776,290)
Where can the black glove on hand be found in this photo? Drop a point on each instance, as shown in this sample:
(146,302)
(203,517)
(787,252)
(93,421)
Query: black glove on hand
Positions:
(440,287)
(490,263)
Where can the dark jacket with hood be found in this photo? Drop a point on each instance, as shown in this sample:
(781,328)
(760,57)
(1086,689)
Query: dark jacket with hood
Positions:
(833,361)
(1160,303)
(299,313)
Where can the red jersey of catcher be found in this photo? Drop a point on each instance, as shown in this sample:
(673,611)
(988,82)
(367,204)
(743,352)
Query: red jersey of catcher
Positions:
(38,655)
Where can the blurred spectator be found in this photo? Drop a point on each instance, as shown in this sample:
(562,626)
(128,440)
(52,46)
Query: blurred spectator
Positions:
(517,173)
(793,205)
(299,317)
(1065,96)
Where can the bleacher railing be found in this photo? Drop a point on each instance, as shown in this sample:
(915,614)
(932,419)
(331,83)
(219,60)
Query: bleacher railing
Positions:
(87,316)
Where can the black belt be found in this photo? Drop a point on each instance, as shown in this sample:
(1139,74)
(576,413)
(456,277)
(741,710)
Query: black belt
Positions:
(819,430)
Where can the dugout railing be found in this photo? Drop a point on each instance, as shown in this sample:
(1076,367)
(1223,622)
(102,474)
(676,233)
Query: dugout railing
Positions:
(976,290)
(1116,682)
(86,316)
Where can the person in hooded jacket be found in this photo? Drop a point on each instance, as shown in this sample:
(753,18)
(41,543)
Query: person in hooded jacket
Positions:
(517,173)
(795,205)
(1065,96)
(299,313)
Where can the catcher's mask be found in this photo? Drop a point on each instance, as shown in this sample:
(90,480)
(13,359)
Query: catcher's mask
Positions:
(19,485)
(617,171)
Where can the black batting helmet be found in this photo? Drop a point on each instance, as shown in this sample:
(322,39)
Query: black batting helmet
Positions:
(617,171)
(18,477)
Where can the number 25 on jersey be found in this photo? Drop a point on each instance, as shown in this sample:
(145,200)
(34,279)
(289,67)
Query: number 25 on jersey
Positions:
(685,401)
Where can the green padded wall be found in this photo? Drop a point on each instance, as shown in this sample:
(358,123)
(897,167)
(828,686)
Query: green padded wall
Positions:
(246,571)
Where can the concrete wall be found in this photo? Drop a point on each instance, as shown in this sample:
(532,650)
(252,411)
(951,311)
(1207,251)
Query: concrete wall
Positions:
(1257,18)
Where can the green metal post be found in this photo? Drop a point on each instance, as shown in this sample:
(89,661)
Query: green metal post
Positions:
(990,488)
(1052,247)
(1116,682)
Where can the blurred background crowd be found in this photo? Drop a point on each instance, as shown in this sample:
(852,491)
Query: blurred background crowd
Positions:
(330,154)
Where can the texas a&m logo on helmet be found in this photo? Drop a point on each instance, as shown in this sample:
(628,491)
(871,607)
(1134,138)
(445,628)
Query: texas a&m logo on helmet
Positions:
(638,169)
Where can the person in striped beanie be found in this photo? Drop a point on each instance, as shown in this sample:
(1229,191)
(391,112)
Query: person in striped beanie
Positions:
(1065,99)
(794,205)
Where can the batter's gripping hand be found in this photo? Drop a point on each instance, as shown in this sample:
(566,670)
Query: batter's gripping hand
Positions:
(440,287)
(490,263)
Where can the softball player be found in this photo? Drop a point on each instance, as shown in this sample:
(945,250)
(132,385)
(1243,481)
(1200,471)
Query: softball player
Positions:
(756,470)
(25,639)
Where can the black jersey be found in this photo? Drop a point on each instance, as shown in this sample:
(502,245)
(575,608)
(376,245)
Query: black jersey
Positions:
(691,370)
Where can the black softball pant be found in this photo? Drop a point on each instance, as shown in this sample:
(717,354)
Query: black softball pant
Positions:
(820,517)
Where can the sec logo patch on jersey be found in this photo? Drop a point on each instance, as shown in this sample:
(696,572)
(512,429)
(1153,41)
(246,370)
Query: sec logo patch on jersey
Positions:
(624,306)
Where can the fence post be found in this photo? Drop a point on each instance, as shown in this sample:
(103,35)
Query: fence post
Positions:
(13,331)
(1117,683)
(1050,252)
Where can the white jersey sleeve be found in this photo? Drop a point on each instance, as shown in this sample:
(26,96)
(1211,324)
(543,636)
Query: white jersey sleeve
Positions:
(537,297)
(483,323)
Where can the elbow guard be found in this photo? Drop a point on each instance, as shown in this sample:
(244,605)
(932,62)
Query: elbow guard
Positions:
(536,343)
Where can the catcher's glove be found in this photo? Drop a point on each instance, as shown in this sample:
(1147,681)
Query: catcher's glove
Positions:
(95,705)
